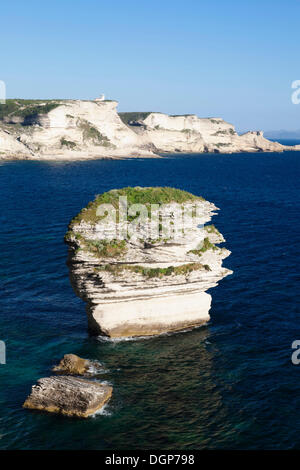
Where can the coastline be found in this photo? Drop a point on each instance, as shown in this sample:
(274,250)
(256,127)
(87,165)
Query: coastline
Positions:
(86,130)
(161,155)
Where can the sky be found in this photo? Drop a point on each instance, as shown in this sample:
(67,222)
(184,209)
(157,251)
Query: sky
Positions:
(231,59)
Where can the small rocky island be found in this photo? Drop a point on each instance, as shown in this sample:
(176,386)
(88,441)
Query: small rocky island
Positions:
(143,284)
(68,394)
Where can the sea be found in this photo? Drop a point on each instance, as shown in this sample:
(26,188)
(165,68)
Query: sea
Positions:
(231,384)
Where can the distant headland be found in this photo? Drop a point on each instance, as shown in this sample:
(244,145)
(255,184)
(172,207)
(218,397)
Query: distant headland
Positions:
(82,129)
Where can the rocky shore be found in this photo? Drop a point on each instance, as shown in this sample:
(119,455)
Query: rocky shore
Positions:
(142,286)
(77,129)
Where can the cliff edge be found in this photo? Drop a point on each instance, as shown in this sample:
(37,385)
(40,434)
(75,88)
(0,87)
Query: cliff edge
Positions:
(192,134)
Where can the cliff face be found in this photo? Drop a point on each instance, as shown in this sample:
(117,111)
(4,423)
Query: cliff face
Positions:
(141,286)
(74,129)
(10,146)
(193,134)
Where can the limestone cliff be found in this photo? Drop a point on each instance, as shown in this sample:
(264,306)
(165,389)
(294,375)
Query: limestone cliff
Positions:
(138,286)
(193,134)
(77,129)
(71,129)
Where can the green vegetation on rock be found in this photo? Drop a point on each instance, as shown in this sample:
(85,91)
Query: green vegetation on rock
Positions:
(133,116)
(91,133)
(183,269)
(67,143)
(222,144)
(26,108)
(99,248)
(211,229)
(136,195)
(206,245)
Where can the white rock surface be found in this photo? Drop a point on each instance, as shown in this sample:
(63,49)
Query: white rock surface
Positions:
(124,303)
(193,134)
(10,147)
(60,134)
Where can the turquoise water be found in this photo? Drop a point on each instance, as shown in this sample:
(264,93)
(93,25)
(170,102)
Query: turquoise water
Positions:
(230,384)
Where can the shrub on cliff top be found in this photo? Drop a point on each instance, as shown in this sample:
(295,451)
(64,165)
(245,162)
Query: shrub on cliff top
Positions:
(137,195)
(24,108)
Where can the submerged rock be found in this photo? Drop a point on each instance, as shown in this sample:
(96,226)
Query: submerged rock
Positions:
(140,285)
(70,396)
(72,365)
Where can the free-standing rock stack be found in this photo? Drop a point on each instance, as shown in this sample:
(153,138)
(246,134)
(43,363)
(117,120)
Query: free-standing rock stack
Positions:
(142,285)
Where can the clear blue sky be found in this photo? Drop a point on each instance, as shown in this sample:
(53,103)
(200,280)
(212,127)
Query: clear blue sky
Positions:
(233,59)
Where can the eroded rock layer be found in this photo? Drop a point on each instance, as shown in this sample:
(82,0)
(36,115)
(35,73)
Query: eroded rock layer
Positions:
(143,286)
(70,396)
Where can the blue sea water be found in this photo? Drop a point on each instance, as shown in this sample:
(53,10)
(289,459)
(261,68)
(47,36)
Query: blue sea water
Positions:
(228,385)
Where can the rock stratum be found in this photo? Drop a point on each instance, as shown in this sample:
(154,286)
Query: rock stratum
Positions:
(77,129)
(145,284)
(70,396)
(67,395)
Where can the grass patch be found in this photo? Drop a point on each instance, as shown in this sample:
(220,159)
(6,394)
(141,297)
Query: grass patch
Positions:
(90,132)
(67,143)
(32,111)
(211,229)
(106,249)
(224,132)
(99,248)
(136,195)
(184,269)
(206,245)
(24,108)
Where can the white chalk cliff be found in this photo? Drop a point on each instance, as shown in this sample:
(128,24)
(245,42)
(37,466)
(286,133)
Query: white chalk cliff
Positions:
(76,129)
(137,287)
(193,134)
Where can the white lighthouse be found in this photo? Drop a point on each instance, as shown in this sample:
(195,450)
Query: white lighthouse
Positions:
(101,98)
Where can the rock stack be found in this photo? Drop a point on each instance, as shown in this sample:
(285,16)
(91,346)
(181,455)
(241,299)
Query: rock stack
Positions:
(142,285)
